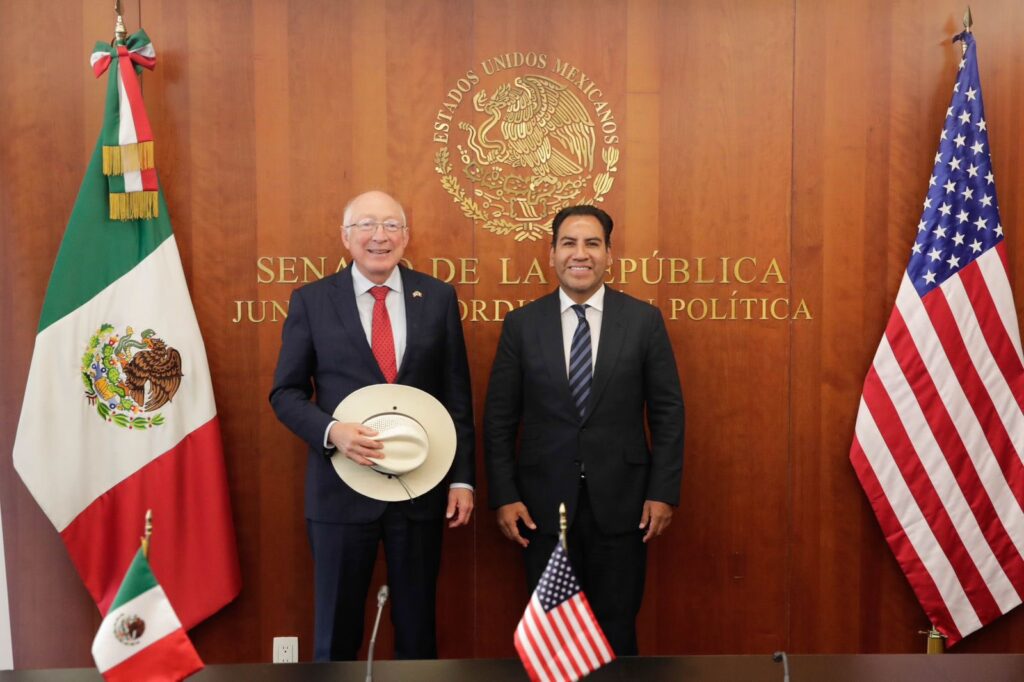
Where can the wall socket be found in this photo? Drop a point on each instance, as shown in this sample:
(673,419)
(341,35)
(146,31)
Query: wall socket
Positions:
(286,650)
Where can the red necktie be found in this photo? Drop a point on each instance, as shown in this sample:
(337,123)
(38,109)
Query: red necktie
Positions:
(382,340)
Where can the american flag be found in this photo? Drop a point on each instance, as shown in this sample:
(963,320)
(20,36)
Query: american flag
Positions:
(558,637)
(940,431)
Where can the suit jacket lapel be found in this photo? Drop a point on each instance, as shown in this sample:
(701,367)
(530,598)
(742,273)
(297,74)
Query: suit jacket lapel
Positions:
(552,345)
(613,333)
(414,305)
(344,299)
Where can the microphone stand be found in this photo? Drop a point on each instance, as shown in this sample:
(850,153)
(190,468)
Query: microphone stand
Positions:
(382,597)
(781,657)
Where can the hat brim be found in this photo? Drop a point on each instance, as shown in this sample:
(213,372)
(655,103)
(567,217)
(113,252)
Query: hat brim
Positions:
(371,401)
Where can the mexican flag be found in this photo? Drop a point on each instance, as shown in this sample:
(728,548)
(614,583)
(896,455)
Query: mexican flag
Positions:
(141,638)
(119,415)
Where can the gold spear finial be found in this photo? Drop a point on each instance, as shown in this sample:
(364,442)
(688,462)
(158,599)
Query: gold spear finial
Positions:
(148,533)
(562,525)
(120,32)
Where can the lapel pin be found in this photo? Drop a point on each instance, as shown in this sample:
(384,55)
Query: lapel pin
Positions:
(417,294)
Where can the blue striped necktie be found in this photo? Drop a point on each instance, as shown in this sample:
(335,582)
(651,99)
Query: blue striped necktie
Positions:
(579,360)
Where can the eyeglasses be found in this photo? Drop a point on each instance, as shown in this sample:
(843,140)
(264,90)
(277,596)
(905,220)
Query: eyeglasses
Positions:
(391,226)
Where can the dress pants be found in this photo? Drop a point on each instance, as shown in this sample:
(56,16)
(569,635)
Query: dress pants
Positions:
(610,568)
(343,559)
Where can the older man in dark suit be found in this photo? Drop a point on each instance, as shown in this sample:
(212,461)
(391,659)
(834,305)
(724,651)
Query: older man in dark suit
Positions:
(371,323)
(579,369)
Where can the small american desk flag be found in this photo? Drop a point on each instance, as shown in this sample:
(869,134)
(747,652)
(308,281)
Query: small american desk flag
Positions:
(558,637)
(940,432)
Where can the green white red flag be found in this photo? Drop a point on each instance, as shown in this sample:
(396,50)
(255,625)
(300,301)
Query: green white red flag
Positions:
(119,415)
(141,638)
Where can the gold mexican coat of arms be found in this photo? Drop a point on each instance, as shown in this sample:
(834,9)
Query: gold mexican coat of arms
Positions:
(541,140)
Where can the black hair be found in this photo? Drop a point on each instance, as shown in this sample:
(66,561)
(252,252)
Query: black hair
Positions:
(583,209)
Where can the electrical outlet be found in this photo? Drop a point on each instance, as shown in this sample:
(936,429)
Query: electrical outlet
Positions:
(286,650)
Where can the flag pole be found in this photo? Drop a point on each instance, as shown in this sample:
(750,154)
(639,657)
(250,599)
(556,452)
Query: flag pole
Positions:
(148,532)
(968,23)
(120,32)
(562,525)
(936,642)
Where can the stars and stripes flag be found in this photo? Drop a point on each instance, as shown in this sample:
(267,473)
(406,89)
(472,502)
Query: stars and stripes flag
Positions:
(558,637)
(940,432)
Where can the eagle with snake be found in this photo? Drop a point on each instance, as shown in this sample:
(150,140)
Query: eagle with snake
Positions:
(542,126)
(156,364)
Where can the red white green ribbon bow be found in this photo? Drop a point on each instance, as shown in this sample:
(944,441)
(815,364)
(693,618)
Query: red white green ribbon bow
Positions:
(127,137)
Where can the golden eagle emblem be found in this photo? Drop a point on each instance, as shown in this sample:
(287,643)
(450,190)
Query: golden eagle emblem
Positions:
(542,125)
(125,377)
(530,150)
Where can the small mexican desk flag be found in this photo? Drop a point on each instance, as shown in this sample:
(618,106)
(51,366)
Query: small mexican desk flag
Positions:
(141,637)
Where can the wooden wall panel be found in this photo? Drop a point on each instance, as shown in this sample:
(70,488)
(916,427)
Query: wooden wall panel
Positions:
(795,135)
(841,231)
(723,192)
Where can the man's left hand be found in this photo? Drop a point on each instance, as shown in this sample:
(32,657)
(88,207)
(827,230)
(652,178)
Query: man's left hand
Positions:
(460,506)
(655,518)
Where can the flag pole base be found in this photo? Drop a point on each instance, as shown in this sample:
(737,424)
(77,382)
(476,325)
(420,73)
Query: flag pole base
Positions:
(936,641)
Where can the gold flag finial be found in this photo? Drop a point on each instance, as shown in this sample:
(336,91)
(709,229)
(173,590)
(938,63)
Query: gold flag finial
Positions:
(148,533)
(120,32)
(562,525)
(968,20)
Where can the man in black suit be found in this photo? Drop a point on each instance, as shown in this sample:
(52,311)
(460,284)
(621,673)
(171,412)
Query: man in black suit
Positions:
(578,369)
(371,323)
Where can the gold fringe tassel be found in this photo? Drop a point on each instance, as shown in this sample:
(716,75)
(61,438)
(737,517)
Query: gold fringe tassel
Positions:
(127,158)
(134,206)
(111,160)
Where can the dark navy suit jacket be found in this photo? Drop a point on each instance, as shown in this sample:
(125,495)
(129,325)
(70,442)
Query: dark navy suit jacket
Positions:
(324,353)
(634,377)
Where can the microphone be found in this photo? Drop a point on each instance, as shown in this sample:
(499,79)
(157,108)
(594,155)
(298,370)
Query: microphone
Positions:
(382,597)
(780,656)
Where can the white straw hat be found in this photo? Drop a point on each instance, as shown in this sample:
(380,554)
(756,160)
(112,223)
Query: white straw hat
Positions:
(418,436)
